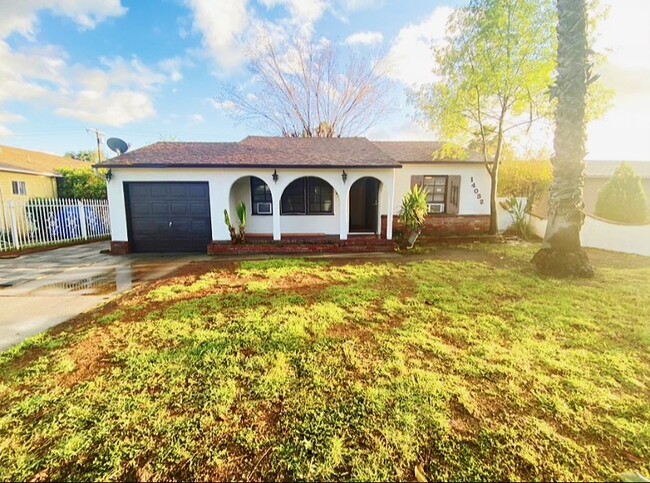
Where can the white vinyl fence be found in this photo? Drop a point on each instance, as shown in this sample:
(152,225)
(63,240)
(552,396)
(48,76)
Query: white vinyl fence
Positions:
(606,235)
(49,221)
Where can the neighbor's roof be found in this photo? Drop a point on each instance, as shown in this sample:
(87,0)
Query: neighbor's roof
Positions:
(33,162)
(605,169)
(257,151)
(418,152)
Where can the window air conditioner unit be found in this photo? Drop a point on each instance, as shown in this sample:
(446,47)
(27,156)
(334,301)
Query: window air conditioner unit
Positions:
(264,208)
(436,207)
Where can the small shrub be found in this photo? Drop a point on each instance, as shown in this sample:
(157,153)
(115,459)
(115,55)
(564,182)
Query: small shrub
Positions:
(82,183)
(622,198)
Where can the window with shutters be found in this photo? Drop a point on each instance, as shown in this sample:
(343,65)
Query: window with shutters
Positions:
(436,187)
(443,192)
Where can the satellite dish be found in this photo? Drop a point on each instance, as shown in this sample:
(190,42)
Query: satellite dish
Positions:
(117,145)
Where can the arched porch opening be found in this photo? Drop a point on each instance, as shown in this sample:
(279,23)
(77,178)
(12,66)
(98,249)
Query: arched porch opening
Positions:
(308,195)
(256,194)
(364,206)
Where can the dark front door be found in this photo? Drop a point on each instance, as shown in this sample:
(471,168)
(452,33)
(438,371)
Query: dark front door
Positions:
(168,217)
(364,206)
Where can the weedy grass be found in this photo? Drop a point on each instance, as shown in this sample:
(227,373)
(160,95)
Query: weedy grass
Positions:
(470,364)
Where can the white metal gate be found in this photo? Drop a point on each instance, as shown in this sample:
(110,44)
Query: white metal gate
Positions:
(50,221)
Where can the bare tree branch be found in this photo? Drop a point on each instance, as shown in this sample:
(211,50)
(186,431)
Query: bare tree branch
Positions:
(309,89)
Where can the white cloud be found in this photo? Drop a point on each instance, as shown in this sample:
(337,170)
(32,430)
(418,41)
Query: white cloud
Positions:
(172,67)
(229,29)
(354,5)
(118,93)
(114,108)
(224,106)
(301,11)
(7,117)
(222,25)
(410,56)
(115,93)
(197,119)
(21,16)
(365,38)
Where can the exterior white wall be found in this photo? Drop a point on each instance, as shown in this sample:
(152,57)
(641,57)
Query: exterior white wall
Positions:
(221,180)
(598,233)
(116,198)
(470,203)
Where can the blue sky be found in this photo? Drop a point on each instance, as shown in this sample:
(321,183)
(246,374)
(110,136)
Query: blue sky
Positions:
(149,70)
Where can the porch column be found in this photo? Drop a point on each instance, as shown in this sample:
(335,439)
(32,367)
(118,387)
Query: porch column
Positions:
(277,234)
(219,200)
(391,207)
(344,217)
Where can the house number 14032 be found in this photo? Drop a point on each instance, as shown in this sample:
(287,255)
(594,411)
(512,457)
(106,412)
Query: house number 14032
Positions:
(476,191)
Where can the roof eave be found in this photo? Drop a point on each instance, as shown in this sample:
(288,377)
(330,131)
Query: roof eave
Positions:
(250,166)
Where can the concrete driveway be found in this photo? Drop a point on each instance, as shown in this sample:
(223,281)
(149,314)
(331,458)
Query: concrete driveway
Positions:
(41,290)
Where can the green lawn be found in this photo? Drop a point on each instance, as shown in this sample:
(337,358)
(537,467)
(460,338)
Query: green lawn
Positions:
(460,359)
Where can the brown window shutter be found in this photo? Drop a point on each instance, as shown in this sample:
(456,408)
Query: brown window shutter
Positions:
(419,180)
(453,195)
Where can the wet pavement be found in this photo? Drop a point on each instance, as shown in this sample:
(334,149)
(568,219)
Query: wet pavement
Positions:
(41,290)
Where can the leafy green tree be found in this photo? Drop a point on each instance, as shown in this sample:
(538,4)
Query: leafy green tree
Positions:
(82,183)
(561,253)
(525,179)
(88,155)
(494,72)
(623,198)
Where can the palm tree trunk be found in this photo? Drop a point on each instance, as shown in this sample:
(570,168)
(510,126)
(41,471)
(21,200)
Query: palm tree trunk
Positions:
(561,253)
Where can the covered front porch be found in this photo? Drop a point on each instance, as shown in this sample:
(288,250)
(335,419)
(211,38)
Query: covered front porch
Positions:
(325,206)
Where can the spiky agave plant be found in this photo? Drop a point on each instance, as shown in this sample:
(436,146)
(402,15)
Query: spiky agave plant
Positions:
(413,212)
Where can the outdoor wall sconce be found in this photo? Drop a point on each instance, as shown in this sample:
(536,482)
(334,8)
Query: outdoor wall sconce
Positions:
(275,176)
(344,176)
(108,175)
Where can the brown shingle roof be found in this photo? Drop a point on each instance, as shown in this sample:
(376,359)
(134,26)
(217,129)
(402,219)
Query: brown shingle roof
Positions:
(35,162)
(257,151)
(417,151)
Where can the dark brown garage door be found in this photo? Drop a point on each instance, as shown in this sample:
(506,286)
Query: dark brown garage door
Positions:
(168,217)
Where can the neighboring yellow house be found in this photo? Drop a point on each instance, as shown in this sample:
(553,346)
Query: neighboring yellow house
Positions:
(29,174)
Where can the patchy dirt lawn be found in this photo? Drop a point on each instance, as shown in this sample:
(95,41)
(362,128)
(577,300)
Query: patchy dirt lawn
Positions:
(460,359)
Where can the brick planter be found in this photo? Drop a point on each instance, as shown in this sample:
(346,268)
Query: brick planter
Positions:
(316,244)
(440,226)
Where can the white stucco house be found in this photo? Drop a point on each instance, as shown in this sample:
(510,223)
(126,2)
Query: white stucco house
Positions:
(170,196)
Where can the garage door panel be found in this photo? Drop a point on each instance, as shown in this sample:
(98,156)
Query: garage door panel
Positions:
(198,191)
(199,209)
(159,208)
(179,208)
(146,227)
(153,206)
(158,190)
(140,209)
(140,192)
(178,191)
(199,226)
